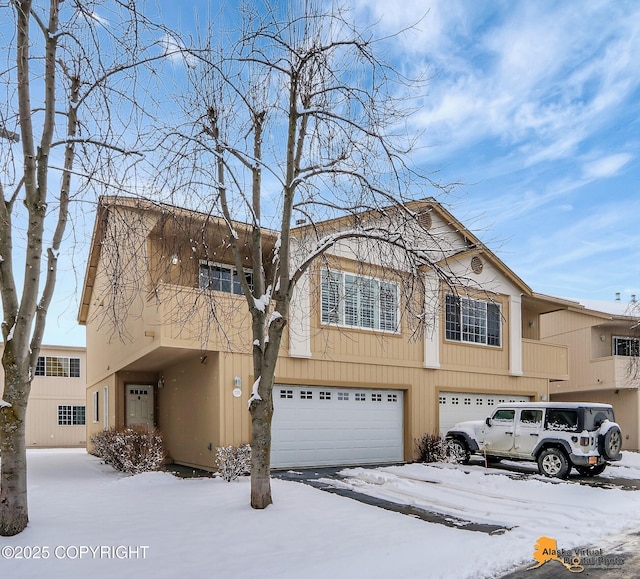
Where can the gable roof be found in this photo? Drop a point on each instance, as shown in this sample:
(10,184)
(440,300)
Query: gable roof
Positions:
(478,247)
(105,204)
(429,204)
(474,245)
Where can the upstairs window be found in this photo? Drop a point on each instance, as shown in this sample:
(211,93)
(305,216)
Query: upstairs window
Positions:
(359,302)
(626,346)
(473,321)
(58,366)
(222,278)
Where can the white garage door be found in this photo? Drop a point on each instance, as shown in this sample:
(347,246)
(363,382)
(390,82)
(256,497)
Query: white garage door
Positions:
(460,406)
(315,426)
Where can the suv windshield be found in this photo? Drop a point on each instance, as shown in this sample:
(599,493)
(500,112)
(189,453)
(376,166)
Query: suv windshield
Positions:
(594,417)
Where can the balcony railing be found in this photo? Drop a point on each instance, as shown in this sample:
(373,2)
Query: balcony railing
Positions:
(544,360)
(192,318)
(613,372)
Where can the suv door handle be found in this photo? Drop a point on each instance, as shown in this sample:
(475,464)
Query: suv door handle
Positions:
(511,433)
(533,434)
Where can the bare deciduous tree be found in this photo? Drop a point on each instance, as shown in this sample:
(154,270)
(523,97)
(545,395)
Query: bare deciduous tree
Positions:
(65,128)
(296,118)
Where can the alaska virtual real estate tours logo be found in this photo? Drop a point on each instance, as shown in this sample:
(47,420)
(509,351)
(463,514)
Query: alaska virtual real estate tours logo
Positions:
(575,560)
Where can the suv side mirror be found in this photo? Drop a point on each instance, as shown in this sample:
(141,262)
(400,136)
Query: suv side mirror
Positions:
(488,421)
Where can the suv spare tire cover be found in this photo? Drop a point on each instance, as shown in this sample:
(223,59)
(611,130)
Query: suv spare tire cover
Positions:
(605,443)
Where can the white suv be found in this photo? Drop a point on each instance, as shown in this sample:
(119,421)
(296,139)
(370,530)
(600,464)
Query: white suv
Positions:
(557,435)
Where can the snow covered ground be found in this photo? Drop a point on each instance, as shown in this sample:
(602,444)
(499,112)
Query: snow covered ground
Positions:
(86,520)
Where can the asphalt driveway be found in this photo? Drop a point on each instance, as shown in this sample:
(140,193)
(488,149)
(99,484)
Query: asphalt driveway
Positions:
(624,550)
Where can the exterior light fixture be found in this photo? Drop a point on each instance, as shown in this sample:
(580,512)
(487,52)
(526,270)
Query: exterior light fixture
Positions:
(237,387)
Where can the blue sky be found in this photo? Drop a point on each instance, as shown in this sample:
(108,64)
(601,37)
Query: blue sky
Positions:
(534,106)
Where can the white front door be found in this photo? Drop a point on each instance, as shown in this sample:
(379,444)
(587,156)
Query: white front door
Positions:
(139,405)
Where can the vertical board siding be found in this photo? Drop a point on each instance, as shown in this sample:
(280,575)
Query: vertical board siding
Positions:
(47,393)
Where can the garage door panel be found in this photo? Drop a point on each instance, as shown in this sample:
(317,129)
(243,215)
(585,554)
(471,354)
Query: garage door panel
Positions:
(457,407)
(314,426)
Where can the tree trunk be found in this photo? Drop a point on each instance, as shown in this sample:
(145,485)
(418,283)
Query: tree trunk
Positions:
(261,417)
(14,514)
(261,455)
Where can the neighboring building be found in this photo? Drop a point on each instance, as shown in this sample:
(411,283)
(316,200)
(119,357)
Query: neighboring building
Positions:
(354,385)
(56,409)
(604,361)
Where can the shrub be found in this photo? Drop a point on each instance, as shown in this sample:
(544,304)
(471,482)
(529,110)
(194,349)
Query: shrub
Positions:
(233,461)
(430,448)
(433,448)
(130,450)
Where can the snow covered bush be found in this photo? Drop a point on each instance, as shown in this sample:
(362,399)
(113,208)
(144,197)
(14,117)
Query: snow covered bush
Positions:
(430,448)
(434,448)
(130,450)
(233,461)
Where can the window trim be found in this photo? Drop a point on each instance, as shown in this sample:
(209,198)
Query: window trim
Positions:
(96,406)
(340,306)
(105,410)
(454,321)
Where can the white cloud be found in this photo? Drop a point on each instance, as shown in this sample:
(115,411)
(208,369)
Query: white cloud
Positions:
(92,15)
(176,51)
(543,77)
(606,166)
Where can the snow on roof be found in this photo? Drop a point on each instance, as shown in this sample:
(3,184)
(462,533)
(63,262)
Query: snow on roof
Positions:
(615,308)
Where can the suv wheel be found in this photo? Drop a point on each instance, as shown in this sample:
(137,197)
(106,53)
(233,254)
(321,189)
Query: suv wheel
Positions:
(591,470)
(610,443)
(458,451)
(552,462)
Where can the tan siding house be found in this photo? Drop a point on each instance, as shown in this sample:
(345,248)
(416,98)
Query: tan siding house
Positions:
(355,383)
(604,363)
(57,402)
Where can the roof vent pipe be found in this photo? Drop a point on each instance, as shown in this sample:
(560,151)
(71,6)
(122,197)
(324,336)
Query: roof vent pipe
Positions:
(617,296)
